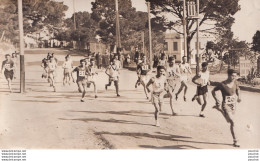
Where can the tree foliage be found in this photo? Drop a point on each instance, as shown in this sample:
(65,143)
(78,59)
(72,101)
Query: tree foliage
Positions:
(218,11)
(256,41)
(132,23)
(36,14)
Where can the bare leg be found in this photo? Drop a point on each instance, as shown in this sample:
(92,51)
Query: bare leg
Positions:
(144,89)
(9,81)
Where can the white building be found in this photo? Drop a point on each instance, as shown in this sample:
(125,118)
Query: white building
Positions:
(174,45)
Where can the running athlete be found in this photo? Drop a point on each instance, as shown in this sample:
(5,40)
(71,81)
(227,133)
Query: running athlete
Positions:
(91,76)
(231,94)
(173,74)
(81,78)
(113,73)
(202,82)
(142,70)
(118,63)
(44,65)
(163,61)
(159,86)
(67,66)
(52,66)
(184,70)
(9,67)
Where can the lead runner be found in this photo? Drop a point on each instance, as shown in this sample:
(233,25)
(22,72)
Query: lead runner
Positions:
(231,94)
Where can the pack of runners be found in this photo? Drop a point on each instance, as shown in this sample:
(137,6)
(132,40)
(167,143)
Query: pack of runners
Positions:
(160,83)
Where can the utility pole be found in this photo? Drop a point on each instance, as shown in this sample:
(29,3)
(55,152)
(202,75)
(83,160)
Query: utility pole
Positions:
(143,41)
(150,35)
(198,46)
(118,41)
(74,16)
(184,30)
(22,68)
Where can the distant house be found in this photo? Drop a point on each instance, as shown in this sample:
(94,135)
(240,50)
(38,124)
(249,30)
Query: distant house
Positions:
(174,46)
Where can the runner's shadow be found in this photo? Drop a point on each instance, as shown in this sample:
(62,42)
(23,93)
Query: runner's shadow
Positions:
(37,101)
(106,121)
(169,147)
(125,113)
(162,136)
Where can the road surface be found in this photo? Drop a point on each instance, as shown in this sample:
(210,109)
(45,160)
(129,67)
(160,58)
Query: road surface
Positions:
(43,119)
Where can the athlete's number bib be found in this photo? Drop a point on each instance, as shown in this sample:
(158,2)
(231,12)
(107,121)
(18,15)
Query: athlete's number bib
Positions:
(82,73)
(7,66)
(230,100)
(145,67)
(92,70)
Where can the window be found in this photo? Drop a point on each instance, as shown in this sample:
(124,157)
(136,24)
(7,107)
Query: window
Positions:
(175,46)
(165,46)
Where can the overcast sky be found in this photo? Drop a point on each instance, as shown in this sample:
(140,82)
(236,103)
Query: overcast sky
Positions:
(247,20)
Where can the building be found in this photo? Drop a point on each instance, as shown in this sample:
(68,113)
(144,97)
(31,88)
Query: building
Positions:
(174,46)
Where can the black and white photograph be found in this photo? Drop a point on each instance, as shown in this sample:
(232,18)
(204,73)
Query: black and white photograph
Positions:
(129,75)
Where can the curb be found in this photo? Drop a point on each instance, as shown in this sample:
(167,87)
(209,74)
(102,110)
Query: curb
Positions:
(249,89)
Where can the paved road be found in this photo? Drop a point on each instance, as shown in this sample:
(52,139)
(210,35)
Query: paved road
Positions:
(42,119)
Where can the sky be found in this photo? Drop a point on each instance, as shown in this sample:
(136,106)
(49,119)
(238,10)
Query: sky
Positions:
(247,20)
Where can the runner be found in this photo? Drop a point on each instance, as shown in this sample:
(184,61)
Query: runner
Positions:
(173,74)
(44,65)
(9,67)
(142,70)
(202,82)
(91,76)
(113,72)
(231,94)
(67,66)
(159,85)
(81,78)
(163,61)
(118,63)
(184,70)
(52,66)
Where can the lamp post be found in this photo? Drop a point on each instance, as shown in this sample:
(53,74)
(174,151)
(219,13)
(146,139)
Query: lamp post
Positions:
(118,40)
(193,13)
(22,68)
(150,35)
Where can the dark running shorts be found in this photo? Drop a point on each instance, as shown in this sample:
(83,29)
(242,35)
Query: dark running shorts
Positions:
(202,90)
(9,74)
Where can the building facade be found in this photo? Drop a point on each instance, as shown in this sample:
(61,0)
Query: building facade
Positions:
(174,46)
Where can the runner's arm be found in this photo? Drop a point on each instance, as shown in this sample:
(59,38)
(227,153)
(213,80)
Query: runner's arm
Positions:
(148,84)
(238,94)
(194,80)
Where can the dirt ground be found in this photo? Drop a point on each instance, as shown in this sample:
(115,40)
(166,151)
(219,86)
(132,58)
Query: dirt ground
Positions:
(42,119)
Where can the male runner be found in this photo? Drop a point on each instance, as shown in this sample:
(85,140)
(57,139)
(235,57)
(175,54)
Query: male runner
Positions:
(142,70)
(202,82)
(91,75)
(173,74)
(81,78)
(159,85)
(113,73)
(67,66)
(9,67)
(231,94)
(184,70)
(52,65)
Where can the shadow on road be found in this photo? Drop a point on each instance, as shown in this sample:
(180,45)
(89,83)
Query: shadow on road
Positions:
(169,147)
(126,113)
(108,121)
(162,136)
